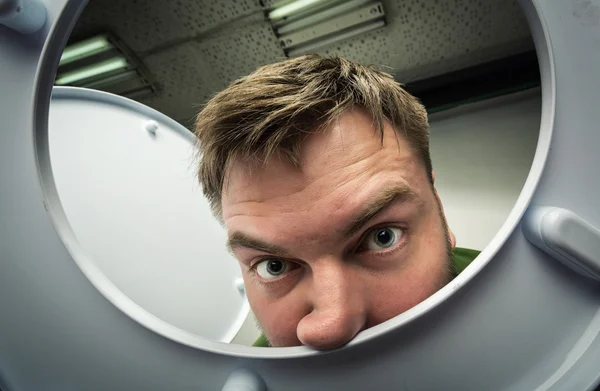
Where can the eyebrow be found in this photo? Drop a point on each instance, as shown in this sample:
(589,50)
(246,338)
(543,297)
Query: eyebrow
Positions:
(397,193)
(385,199)
(240,239)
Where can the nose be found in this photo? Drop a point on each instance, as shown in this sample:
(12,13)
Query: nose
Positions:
(338,312)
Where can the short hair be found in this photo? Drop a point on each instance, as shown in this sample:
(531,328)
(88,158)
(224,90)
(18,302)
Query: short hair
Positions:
(274,108)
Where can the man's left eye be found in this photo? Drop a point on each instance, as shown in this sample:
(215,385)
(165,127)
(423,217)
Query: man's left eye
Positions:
(382,238)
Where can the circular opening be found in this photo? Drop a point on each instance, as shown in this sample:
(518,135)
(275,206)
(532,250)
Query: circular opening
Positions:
(374,42)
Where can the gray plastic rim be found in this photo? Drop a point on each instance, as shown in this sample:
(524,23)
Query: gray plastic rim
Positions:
(44,79)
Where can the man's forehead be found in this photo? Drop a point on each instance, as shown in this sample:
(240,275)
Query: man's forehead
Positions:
(248,179)
(352,140)
(349,140)
(331,219)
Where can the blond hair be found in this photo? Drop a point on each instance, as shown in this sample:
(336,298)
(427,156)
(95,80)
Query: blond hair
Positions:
(277,106)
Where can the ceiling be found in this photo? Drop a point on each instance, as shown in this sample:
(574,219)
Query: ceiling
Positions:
(194,48)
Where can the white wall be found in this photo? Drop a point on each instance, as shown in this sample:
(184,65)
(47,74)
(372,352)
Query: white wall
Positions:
(481,155)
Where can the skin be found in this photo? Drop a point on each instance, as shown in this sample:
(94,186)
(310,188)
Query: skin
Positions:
(320,223)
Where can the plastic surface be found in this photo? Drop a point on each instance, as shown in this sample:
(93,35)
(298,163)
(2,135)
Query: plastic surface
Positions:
(243,380)
(514,320)
(566,237)
(23,16)
(126,180)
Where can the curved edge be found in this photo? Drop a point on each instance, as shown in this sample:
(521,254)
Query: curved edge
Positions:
(89,95)
(543,46)
(44,77)
(61,92)
(45,74)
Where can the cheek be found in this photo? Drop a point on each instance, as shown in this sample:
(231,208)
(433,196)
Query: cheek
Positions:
(398,291)
(391,296)
(278,318)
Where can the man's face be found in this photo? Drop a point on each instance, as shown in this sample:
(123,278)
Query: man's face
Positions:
(351,239)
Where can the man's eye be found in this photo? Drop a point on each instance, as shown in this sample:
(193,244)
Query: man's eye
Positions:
(271,268)
(383,238)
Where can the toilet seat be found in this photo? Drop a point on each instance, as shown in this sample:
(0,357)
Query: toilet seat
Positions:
(515,319)
(124,174)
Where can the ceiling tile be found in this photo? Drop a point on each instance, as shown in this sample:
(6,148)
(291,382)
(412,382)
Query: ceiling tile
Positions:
(190,73)
(195,48)
(427,38)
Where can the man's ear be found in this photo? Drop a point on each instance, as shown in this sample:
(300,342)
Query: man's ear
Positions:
(439,201)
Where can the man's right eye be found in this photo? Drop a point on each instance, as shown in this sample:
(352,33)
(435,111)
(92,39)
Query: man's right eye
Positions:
(272,268)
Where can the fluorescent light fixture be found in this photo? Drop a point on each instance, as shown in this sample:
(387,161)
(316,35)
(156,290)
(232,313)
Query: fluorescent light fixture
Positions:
(84,49)
(291,8)
(335,38)
(320,16)
(334,28)
(103,62)
(100,68)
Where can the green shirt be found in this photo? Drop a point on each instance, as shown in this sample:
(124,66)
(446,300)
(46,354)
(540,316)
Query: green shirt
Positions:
(462,258)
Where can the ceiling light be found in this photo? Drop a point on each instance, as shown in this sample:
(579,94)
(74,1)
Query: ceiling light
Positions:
(323,14)
(104,63)
(291,8)
(330,25)
(92,71)
(335,38)
(85,48)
